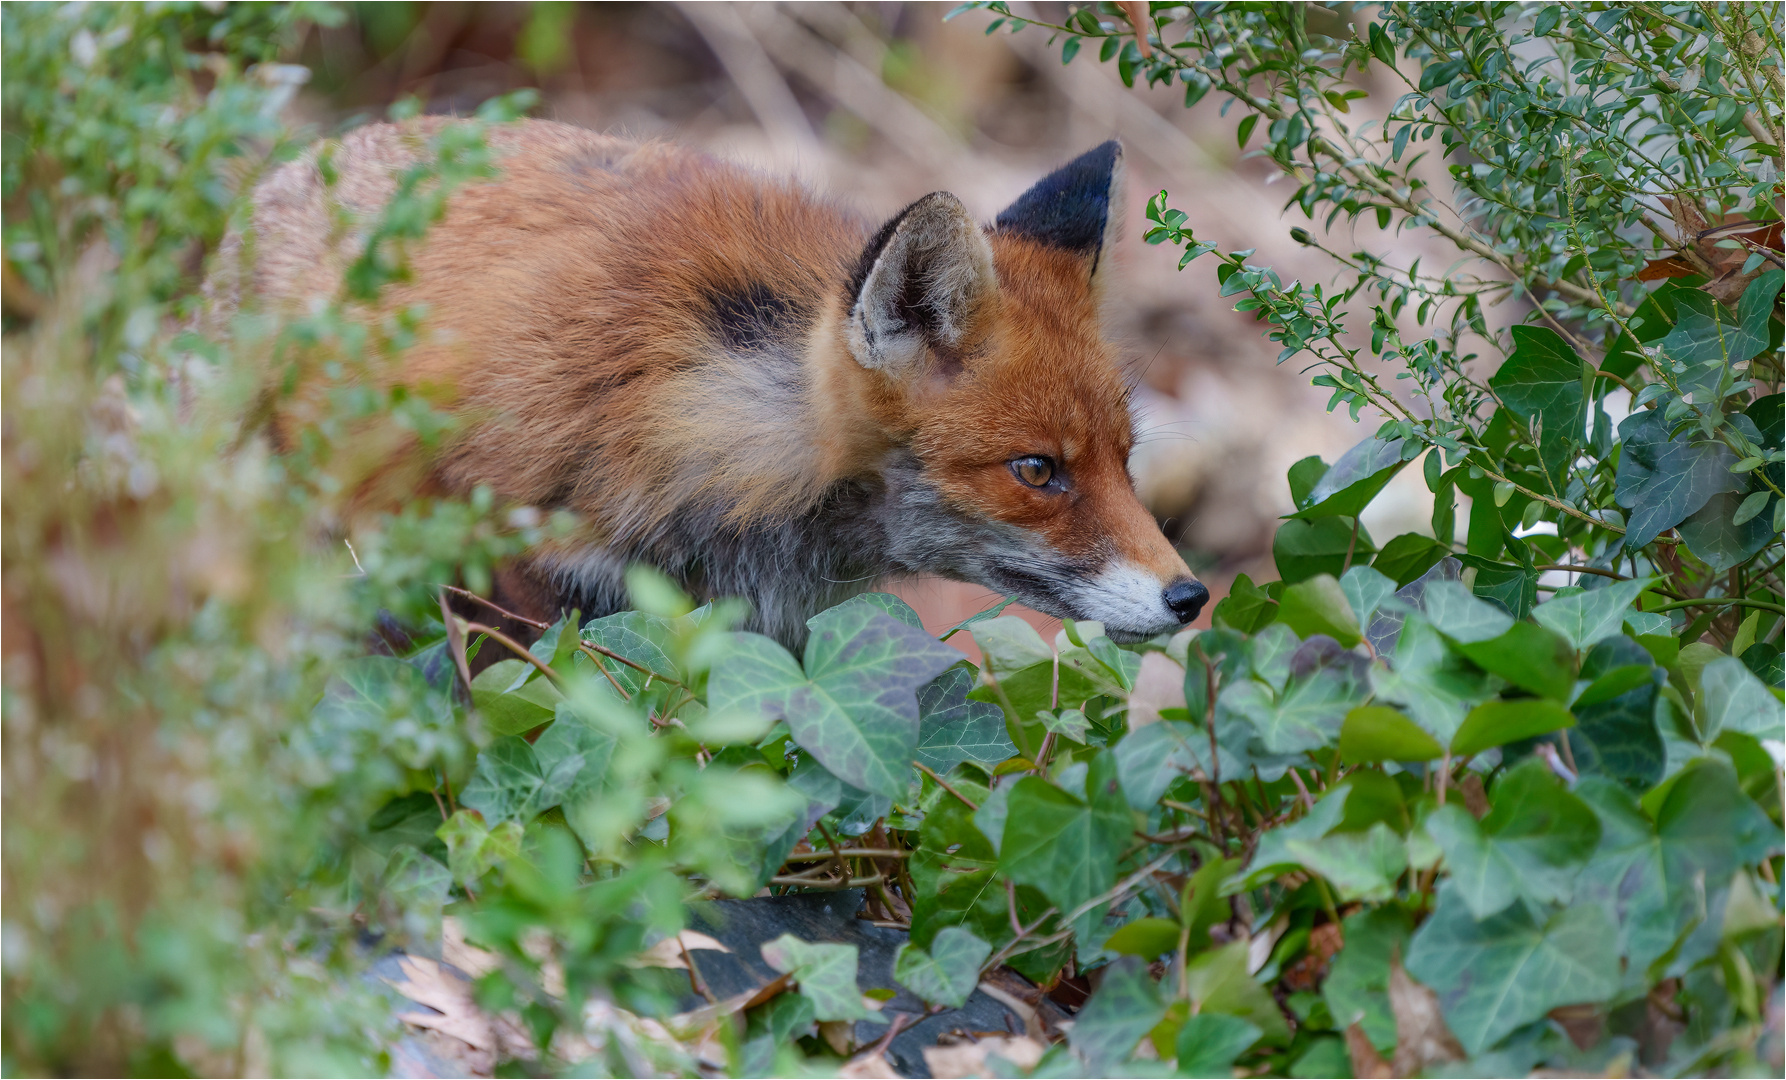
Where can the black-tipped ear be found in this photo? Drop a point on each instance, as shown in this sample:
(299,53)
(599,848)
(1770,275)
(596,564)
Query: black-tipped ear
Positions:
(920,285)
(1073,206)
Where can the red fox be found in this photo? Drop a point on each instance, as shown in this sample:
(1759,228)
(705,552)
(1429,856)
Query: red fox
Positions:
(754,389)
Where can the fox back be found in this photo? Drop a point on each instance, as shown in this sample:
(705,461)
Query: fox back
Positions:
(751,388)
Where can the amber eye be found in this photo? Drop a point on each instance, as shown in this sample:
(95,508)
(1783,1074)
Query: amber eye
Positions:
(1034,471)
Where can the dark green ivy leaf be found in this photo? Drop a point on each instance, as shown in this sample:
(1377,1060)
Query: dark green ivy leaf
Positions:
(1541,379)
(1503,972)
(1661,480)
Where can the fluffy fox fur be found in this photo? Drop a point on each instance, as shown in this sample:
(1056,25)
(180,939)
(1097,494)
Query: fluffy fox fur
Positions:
(752,388)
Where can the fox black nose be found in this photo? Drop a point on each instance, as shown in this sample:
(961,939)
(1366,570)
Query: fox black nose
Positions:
(1186,599)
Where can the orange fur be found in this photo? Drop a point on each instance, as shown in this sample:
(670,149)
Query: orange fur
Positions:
(571,328)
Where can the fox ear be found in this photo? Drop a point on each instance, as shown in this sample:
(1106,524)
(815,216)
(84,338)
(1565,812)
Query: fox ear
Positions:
(924,281)
(1076,207)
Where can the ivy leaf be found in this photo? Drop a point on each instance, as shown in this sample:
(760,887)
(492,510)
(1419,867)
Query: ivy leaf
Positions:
(1731,698)
(1588,618)
(1308,714)
(1354,480)
(1246,608)
(954,871)
(826,974)
(1380,733)
(1501,721)
(1434,685)
(1532,844)
(508,703)
(1617,736)
(953,729)
(971,621)
(1662,480)
(1529,657)
(1150,758)
(1715,535)
(1366,589)
(948,972)
(1541,378)
(1458,614)
(855,708)
(1147,938)
(1303,548)
(1361,866)
(1753,312)
(1408,556)
(1126,1006)
(389,703)
(1219,983)
(1022,663)
(1063,845)
(1208,1043)
(1319,605)
(1503,972)
(1357,984)
(510,784)
(1278,848)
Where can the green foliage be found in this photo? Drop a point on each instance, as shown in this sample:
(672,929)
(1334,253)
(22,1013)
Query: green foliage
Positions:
(1433,755)
(1500,741)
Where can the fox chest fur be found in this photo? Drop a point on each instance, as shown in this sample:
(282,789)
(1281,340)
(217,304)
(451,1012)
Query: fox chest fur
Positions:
(754,390)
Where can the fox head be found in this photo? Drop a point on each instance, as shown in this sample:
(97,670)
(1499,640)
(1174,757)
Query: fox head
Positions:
(1010,420)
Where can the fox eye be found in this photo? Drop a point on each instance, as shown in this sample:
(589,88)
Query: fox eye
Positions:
(1034,470)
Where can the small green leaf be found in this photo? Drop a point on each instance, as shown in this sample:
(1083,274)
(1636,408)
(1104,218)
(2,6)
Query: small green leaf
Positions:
(1246,129)
(1208,1043)
(1495,723)
(948,971)
(1147,938)
(1379,733)
(1529,657)
(1246,608)
(1586,619)
(1304,548)
(1319,605)
(1618,681)
(1354,480)
(826,974)
(1731,698)
(1408,556)
(1458,614)
(1126,1007)
(952,728)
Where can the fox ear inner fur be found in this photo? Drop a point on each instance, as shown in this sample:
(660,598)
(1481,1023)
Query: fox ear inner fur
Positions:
(922,283)
(1076,207)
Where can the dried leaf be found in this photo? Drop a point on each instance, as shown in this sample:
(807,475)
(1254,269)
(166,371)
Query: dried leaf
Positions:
(1421,1035)
(455,1011)
(455,950)
(1367,1064)
(868,1067)
(968,1059)
(668,952)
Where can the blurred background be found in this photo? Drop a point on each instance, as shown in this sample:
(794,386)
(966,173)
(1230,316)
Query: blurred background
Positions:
(879,103)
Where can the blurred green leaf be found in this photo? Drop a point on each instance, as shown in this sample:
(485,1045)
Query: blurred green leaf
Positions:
(1379,733)
(948,972)
(1495,723)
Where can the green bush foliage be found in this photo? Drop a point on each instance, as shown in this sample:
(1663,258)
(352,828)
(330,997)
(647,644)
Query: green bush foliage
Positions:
(1420,804)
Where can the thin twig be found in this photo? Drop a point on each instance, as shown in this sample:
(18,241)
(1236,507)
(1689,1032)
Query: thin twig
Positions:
(946,786)
(494,606)
(517,648)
